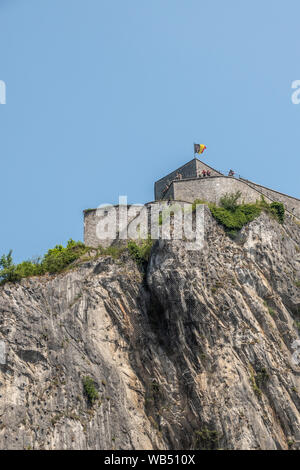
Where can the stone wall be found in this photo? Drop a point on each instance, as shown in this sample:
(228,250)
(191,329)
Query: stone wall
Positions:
(188,171)
(191,169)
(291,203)
(202,166)
(213,188)
(136,223)
(208,189)
(92,217)
(168,195)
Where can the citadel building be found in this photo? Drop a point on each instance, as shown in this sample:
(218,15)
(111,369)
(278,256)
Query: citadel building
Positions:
(186,184)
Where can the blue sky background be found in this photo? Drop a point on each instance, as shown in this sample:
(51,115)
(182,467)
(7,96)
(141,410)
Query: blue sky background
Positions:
(106,96)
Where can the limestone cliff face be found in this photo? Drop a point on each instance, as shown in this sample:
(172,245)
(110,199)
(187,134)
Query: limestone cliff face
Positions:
(196,354)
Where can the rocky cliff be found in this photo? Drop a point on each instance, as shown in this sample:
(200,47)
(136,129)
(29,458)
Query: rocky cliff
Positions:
(197,353)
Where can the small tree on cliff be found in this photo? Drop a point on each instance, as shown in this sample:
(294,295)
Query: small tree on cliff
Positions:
(230,201)
(8,269)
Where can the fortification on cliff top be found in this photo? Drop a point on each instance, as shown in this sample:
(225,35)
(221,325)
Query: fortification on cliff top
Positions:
(192,185)
(187,183)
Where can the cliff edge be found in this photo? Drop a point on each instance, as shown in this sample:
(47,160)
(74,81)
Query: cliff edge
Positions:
(198,352)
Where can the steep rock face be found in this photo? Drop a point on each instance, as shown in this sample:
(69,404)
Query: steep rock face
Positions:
(197,354)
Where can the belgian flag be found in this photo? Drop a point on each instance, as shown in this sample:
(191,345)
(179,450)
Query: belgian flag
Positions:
(199,148)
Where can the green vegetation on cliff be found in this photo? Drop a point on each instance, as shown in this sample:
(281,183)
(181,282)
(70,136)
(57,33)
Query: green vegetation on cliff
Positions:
(229,213)
(140,252)
(60,258)
(90,390)
(233,216)
(54,261)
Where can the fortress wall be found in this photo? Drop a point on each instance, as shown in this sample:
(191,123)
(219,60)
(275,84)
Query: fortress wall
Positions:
(213,188)
(91,219)
(169,194)
(209,189)
(191,169)
(201,166)
(164,208)
(292,204)
(90,224)
(188,171)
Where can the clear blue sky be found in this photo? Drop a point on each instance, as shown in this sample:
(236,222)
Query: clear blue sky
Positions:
(106,96)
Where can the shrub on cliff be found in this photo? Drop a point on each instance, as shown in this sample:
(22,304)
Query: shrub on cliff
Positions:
(235,219)
(11,272)
(54,261)
(29,268)
(57,258)
(90,390)
(278,210)
(234,216)
(230,201)
(275,209)
(8,269)
(229,213)
(140,251)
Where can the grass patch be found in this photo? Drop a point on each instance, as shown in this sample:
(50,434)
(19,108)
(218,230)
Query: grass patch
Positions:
(255,387)
(113,251)
(271,310)
(198,202)
(261,376)
(297,325)
(257,379)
